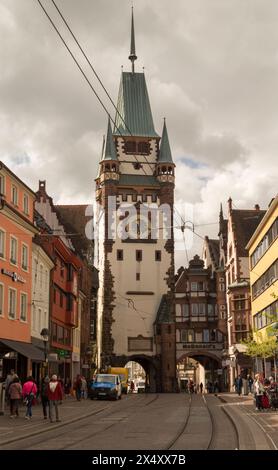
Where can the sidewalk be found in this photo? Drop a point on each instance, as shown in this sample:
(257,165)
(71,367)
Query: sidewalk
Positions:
(261,427)
(71,410)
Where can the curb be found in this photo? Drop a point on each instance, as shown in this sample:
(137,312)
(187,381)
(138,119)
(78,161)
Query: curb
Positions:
(50,428)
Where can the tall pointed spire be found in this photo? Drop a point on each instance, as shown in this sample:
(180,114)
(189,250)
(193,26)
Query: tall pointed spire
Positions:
(133,55)
(165,154)
(109,151)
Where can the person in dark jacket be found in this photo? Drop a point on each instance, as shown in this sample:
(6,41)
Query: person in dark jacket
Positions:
(238,385)
(55,395)
(44,396)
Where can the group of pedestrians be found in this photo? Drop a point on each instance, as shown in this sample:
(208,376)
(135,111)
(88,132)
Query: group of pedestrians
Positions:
(51,393)
(265,391)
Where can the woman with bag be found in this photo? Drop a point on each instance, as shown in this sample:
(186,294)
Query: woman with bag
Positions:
(29,392)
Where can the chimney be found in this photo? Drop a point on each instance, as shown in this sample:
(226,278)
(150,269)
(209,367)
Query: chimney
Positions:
(257,207)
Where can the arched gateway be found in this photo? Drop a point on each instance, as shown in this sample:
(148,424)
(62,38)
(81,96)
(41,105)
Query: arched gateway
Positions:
(135,249)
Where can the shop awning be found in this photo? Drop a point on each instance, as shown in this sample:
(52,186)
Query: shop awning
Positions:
(26,349)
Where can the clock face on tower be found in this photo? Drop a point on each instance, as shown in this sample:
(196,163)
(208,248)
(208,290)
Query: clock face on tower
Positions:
(138,227)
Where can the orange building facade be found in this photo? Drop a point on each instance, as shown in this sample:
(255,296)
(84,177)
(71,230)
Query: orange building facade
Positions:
(16,233)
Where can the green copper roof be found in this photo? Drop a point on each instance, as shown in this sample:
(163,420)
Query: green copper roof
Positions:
(135,116)
(165,154)
(138,180)
(109,149)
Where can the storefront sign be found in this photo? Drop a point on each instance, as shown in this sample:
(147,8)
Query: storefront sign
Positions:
(15,277)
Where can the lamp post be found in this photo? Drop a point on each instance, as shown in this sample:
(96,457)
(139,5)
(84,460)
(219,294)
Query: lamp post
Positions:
(45,337)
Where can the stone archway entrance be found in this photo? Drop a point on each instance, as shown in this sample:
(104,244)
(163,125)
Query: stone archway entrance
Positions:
(150,366)
(201,367)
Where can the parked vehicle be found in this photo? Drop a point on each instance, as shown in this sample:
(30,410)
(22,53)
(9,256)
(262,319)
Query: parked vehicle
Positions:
(106,386)
(141,386)
(123,373)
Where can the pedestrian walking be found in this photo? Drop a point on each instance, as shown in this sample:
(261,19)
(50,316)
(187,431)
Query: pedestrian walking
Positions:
(250,383)
(258,392)
(201,387)
(44,396)
(77,386)
(84,387)
(9,379)
(238,385)
(29,392)
(55,396)
(67,387)
(15,394)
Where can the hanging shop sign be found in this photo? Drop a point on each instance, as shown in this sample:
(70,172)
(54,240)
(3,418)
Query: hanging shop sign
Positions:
(15,277)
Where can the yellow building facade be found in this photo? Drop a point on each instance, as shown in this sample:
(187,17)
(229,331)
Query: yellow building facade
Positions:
(263,262)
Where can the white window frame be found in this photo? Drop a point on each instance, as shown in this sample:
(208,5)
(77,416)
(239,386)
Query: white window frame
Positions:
(4,243)
(24,320)
(11,289)
(16,258)
(2,178)
(25,268)
(25,207)
(2,299)
(12,194)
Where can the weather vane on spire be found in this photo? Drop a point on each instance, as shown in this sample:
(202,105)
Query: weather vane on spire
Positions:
(133,55)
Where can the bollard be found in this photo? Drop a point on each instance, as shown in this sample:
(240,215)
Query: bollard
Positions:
(2,398)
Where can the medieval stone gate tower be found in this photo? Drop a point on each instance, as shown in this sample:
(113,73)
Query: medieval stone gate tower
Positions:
(135,195)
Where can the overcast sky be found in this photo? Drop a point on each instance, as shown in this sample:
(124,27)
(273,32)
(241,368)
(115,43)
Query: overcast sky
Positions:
(211,69)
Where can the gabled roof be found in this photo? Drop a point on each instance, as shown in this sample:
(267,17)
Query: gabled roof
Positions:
(245,223)
(134,115)
(165,154)
(109,152)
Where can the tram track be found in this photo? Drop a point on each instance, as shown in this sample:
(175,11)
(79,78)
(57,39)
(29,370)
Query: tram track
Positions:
(209,439)
(80,421)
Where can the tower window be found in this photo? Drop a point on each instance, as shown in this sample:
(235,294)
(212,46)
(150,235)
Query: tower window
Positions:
(158,255)
(144,148)
(120,255)
(130,147)
(137,276)
(139,256)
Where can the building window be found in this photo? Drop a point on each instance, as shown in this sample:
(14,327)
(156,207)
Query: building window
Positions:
(206,336)
(120,255)
(139,256)
(54,332)
(222,287)
(39,320)
(34,318)
(12,303)
(2,244)
(41,274)
(14,195)
(13,257)
(268,239)
(157,255)
(24,258)
(61,299)
(239,304)
(130,146)
(26,204)
(54,295)
(62,268)
(194,286)
(67,336)
(2,184)
(185,312)
(60,334)
(1,299)
(144,148)
(137,276)
(23,307)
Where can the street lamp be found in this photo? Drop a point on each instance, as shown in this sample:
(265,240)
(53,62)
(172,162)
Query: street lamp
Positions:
(45,337)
